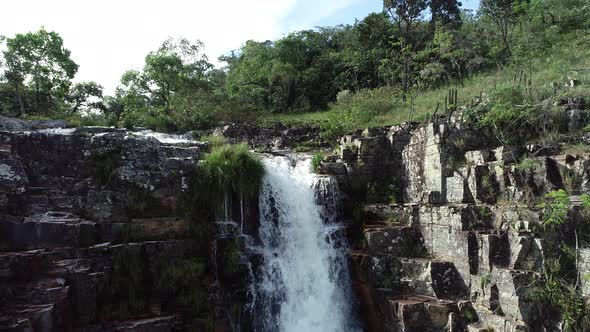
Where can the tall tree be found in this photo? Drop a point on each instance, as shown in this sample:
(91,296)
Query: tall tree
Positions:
(446,12)
(504,14)
(85,96)
(176,66)
(39,61)
(406,14)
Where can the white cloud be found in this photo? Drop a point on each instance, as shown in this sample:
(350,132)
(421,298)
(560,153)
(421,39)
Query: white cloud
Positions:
(110,36)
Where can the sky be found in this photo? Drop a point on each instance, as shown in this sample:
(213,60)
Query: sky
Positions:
(108,37)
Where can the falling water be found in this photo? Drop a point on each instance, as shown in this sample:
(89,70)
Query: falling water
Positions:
(304,282)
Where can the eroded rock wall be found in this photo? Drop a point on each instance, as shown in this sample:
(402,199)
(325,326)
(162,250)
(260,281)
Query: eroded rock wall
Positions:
(95,235)
(459,248)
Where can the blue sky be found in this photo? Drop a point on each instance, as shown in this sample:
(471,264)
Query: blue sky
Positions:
(352,10)
(108,37)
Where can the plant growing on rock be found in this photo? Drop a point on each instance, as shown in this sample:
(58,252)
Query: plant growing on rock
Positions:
(181,281)
(233,168)
(103,166)
(555,208)
(527,164)
(227,171)
(316,161)
(214,140)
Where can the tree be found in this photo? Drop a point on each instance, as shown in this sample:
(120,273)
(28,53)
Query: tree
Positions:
(38,61)
(85,96)
(406,13)
(366,45)
(504,14)
(446,12)
(176,66)
(248,74)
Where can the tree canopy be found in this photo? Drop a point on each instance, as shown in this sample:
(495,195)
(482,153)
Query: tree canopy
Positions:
(410,46)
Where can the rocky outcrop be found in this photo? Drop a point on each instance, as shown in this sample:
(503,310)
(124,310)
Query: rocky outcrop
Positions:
(459,247)
(273,137)
(94,235)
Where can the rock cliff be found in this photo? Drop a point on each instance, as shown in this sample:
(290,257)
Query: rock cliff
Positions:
(456,239)
(98,230)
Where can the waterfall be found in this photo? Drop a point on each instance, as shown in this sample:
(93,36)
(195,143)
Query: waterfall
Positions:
(303,282)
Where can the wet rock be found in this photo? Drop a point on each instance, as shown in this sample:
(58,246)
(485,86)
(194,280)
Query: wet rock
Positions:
(420,313)
(397,241)
(14,124)
(13,178)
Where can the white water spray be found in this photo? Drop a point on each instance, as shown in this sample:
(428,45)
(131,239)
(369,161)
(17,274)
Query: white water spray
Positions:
(304,283)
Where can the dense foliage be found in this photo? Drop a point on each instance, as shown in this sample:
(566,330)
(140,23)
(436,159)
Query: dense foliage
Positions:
(375,69)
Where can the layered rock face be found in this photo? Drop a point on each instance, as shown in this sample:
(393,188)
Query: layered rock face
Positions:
(93,236)
(454,248)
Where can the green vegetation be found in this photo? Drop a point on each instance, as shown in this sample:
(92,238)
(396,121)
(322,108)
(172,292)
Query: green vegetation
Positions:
(227,172)
(103,166)
(127,282)
(527,164)
(182,281)
(555,208)
(509,63)
(316,161)
(214,140)
(557,289)
(232,168)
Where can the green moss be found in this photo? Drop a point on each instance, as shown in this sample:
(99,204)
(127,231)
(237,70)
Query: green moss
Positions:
(103,166)
(485,281)
(231,258)
(139,202)
(127,281)
(182,283)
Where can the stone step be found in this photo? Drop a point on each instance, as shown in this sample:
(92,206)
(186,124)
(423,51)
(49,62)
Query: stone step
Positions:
(154,324)
(504,292)
(375,224)
(400,241)
(433,278)
(504,249)
(387,214)
(413,313)
(52,229)
(39,292)
(427,277)
(45,317)
(488,319)
(38,190)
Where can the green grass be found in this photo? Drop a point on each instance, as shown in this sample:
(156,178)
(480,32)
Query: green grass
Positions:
(384,106)
(214,140)
(232,168)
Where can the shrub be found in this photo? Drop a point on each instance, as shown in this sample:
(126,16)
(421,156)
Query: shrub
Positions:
(214,140)
(358,110)
(316,161)
(158,122)
(232,168)
(527,164)
(502,113)
(87,120)
(555,208)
